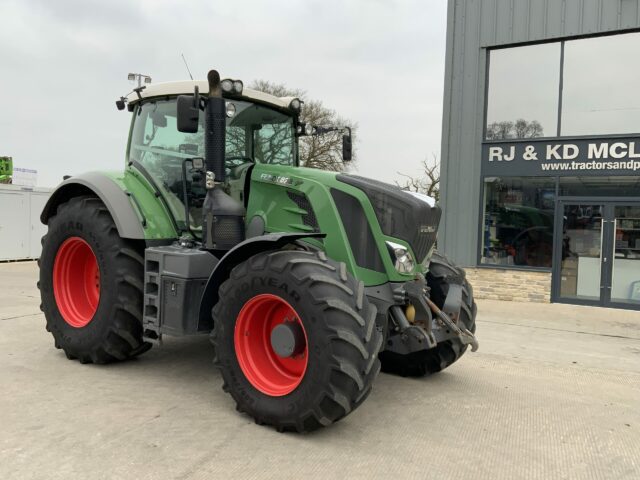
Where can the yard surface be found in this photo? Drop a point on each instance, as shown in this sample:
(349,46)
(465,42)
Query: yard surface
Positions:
(553,392)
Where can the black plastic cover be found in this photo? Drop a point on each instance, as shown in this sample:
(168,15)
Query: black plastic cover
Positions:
(400,214)
(361,239)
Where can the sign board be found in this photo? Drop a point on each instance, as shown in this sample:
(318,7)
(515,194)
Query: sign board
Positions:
(575,157)
(24,177)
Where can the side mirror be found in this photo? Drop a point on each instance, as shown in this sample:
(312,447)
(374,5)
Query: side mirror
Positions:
(347,151)
(188,112)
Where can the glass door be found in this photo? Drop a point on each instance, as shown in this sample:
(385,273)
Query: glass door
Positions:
(597,256)
(623,285)
(579,257)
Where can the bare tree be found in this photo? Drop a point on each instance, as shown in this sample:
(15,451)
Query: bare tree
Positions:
(500,130)
(428,183)
(521,128)
(535,129)
(318,151)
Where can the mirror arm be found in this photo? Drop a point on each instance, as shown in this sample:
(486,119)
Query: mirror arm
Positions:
(196,97)
(138,90)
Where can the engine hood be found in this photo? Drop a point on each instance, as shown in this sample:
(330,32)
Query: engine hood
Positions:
(409,216)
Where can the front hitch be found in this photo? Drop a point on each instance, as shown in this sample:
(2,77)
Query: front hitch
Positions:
(465,336)
(420,336)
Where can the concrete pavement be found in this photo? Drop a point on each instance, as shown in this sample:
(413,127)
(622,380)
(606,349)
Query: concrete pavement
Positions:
(553,392)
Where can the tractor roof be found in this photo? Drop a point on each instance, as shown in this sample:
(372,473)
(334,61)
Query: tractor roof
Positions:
(186,88)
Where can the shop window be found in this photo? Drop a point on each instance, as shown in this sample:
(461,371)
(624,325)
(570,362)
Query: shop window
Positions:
(523,92)
(518,221)
(600,85)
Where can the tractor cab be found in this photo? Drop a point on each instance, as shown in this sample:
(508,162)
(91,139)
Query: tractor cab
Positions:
(260,128)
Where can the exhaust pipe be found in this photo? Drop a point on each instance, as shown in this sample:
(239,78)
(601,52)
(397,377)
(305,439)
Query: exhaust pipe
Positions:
(223,217)
(215,128)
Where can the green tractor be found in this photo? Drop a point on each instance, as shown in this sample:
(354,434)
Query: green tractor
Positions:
(6,169)
(307,281)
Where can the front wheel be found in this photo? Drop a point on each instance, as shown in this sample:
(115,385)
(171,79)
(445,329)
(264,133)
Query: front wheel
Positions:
(295,340)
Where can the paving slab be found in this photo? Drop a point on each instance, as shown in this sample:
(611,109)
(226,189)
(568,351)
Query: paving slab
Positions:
(553,392)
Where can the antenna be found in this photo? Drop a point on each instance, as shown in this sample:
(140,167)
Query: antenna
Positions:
(185,64)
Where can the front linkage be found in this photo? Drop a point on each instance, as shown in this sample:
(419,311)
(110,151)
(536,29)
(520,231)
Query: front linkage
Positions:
(429,324)
(430,321)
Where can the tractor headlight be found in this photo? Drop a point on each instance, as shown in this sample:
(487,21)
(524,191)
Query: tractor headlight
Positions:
(401,257)
(230,109)
(226,85)
(295,105)
(237,87)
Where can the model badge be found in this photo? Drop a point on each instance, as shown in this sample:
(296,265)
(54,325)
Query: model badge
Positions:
(427,229)
(267,177)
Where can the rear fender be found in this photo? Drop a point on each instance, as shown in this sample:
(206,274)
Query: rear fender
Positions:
(237,255)
(128,222)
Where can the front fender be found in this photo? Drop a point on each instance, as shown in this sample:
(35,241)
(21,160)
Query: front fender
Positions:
(237,255)
(119,204)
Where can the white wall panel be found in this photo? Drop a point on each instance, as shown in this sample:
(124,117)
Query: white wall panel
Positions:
(20,227)
(14,225)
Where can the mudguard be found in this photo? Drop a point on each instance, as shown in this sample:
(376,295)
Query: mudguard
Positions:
(118,203)
(238,254)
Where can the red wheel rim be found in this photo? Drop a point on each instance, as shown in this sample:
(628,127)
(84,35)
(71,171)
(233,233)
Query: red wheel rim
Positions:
(76,282)
(268,372)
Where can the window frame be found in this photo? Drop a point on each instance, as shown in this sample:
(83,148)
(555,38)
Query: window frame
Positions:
(562,42)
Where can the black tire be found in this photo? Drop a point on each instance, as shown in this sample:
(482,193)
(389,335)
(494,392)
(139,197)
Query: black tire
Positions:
(442,273)
(342,339)
(114,332)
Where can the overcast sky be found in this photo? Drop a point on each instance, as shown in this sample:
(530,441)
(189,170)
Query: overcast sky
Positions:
(63,63)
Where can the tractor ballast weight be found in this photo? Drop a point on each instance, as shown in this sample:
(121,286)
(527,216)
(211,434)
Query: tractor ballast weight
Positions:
(308,281)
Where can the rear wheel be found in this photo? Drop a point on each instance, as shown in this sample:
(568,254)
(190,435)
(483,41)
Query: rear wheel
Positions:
(442,273)
(91,284)
(295,340)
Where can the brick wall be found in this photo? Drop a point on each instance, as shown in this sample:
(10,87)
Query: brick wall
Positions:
(510,285)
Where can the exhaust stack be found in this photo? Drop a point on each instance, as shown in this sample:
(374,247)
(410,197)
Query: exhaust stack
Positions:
(222,216)
(215,128)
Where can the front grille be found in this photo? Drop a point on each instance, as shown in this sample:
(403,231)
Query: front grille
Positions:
(309,219)
(363,244)
(400,214)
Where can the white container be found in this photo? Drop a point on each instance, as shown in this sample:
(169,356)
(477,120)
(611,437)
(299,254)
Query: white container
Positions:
(20,227)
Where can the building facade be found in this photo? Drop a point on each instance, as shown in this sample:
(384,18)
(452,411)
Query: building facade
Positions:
(541,149)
